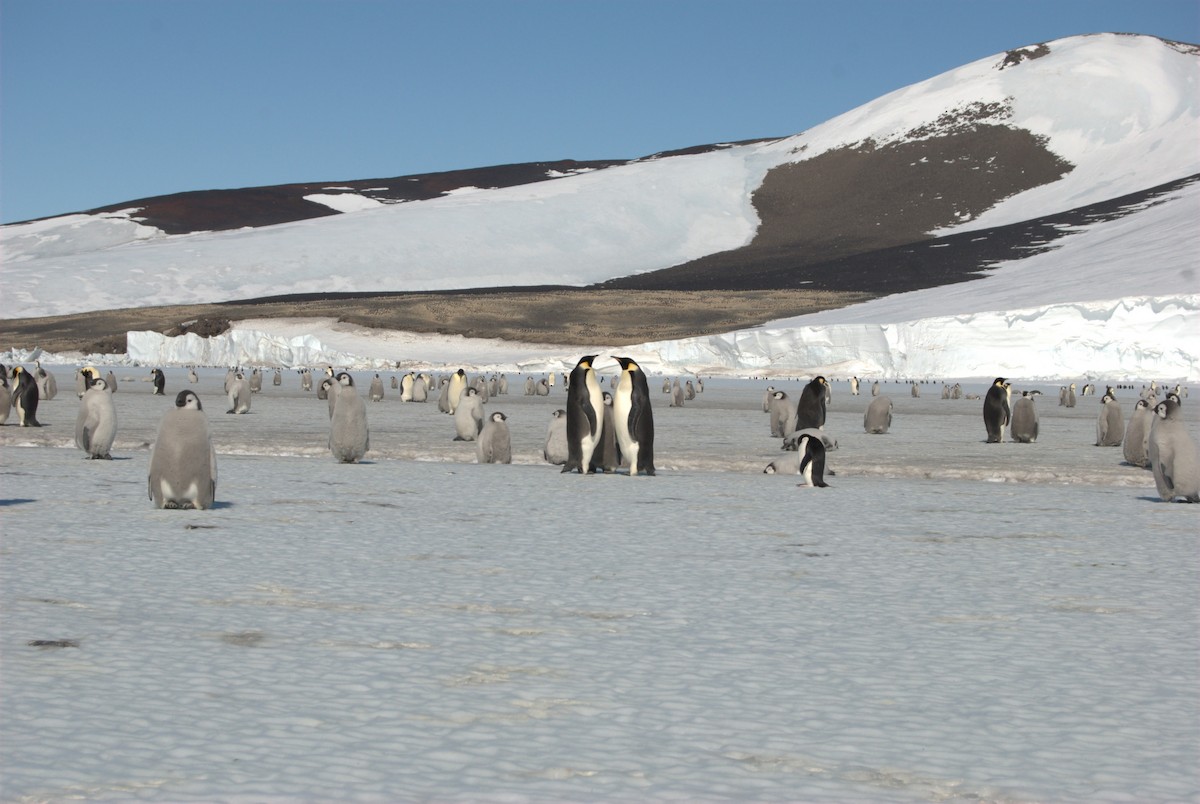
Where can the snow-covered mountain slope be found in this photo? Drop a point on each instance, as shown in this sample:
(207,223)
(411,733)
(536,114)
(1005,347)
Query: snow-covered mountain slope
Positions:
(1104,115)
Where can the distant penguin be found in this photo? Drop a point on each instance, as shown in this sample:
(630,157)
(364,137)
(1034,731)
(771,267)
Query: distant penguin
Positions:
(25,397)
(160,382)
(1024,428)
(996,412)
(854,386)
(768,395)
(585,416)
(634,418)
(468,415)
(111,379)
(230,378)
(676,394)
(306,380)
(83,379)
(183,463)
(916,390)
(375,393)
(406,387)
(277,378)
(666,385)
(1136,443)
(810,410)
(239,394)
(192,377)
(349,437)
(454,392)
(781,414)
(542,387)
(529,386)
(878,418)
(1173,455)
(1110,423)
(494,444)
(875,388)
(811,451)
(255,381)
(5,396)
(555,449)
(689,391)
(96,423)
(503,385)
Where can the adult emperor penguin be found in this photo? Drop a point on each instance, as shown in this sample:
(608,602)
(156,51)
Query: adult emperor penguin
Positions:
(406,387)
(811,451)
(1024,429)
(1110,423)
(1173,455)
(468,415)
(349,438)
(183,463)
(634,418)
(585,416)
(878,418)
(239,394)
(810,410)
(96,423)
(996,412)
(555,449)
(159,381)
(1136,444)
(458,384)
(494,444)
(25,397)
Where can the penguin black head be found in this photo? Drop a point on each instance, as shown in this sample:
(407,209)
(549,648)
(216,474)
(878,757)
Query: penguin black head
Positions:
(998,381)
(627,363)
(187,399)
(498,417)
(585,361)
(344,378)
(607,397)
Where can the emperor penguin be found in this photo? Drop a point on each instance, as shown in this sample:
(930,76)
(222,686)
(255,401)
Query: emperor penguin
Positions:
(634,418)
(767,396)
(25,397)
(1173,455)
(458,384)
(327,390)
(1024,428)
(494,444)
(607,457)
(666,385)
(255,381)
(5,397)
(396,385)
(689,391)
(529,386)
(676,394)
(585,416)
(468,415)
(542,387)
(420,388)
(239,394)
(375,392)
(875,388)
(810,410)
(811,451)
(1110,424)
(406,387)
(305,380)
(916,391)
(1071,395)
(83,379)
(183,463)
(159,381)
(277,378)
(96,423)
(878,418)
(555,449)
(111,379)
(47,384)
(1136,444)
(854,386)
(781,414)
(192,377)
(503,386)
(996,412)
(349,438)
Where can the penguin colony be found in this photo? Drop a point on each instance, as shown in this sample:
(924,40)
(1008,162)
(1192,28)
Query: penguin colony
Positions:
(597,431)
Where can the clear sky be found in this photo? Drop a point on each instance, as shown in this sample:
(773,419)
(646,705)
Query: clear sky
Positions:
(104,101)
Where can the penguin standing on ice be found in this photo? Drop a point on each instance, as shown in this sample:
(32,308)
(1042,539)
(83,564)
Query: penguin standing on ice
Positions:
(810,410)
(239,394)
(607,457)
(555,448)
(96,424)
(25,397)
(1024,420)
(349,437)
(812,461)
(634,418)
(494,444)
(468,415)
(455,389)
(1173,455)
(1110,424)
(996,412)
(5,396)
(375,392)
(160,382)
(183,463)
(878,418)
(781,413)
(1136,444)
(585,416)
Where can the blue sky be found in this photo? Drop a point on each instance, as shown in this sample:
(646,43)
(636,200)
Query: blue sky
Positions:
(104,101)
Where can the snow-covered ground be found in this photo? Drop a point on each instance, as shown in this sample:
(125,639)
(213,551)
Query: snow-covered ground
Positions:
(949,621)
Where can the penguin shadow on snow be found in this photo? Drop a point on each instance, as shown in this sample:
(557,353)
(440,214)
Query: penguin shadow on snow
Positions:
(4,503)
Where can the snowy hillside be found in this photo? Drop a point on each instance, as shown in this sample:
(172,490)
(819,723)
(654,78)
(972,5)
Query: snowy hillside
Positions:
(1115,114)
